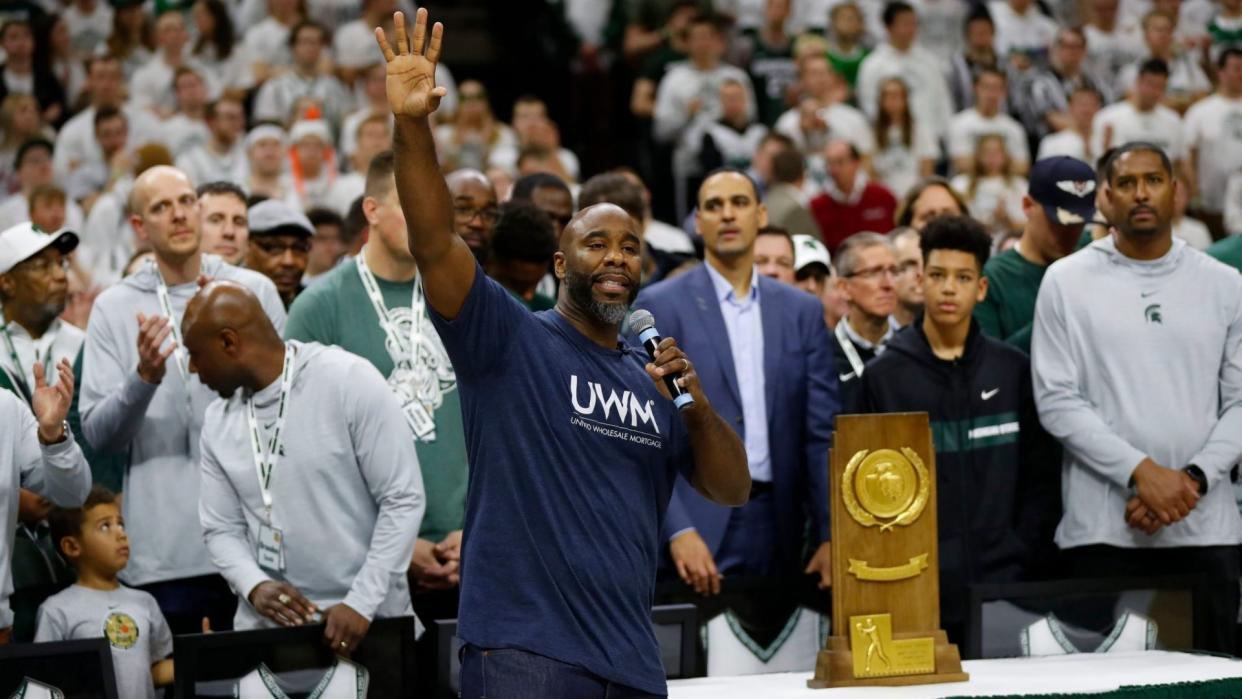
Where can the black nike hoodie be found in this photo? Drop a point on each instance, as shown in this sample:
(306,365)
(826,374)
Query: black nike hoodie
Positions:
(997,471)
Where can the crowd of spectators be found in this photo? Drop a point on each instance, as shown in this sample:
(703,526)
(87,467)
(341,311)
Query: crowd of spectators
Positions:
(854,125)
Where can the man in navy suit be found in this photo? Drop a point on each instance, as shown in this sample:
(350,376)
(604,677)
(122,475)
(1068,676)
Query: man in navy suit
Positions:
(765,362)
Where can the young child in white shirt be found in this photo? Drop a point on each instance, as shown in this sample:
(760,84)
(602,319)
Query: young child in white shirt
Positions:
(92,539)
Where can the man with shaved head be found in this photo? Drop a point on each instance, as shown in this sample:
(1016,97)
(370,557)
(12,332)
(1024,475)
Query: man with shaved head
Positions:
(475,212)
(138,397)
(569,435)
(332,478)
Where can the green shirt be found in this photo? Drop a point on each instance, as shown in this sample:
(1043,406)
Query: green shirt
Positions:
(1009,309)
(847,64)
(337,311)
(1228,251)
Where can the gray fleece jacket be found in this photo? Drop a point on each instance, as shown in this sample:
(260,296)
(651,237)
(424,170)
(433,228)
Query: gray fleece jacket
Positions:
(158,425)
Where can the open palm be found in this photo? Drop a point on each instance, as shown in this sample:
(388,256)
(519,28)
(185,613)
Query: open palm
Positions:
(51,403)
(411,81)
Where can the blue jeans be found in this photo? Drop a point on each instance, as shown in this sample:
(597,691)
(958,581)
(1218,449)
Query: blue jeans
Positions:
(508,673)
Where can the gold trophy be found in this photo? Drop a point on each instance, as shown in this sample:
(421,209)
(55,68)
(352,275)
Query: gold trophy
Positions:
(885,570)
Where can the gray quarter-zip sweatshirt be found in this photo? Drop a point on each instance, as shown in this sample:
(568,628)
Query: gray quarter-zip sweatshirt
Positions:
(154,423)
(347,494)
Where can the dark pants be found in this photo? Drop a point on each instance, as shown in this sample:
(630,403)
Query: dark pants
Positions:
(508,673)
(430,606)
(186,601)
(749,543)
(1216,608)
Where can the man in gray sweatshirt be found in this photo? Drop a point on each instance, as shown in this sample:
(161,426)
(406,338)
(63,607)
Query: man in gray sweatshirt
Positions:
(139,397)
(1137,363)
(310,459)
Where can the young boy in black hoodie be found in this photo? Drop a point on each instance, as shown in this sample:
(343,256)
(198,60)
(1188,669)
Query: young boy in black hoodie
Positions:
(996,471)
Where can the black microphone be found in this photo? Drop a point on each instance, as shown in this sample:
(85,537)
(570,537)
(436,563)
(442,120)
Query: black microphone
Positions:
(642,324)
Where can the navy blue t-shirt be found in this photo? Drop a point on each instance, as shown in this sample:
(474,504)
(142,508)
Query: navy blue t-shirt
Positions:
(573,454)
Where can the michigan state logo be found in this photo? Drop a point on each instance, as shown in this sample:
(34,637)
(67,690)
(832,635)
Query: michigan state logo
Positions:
(1152,314)
(120,630)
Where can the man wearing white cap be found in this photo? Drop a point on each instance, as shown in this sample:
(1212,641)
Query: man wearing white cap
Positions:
(33,288)
(138,395)
(312,163)
(265,152)
(813,273)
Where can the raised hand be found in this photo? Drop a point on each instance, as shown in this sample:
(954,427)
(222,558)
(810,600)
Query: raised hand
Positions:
(411,82)
(51,403)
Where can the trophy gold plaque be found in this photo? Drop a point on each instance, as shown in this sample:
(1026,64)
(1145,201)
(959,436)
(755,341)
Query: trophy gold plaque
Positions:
(885,569)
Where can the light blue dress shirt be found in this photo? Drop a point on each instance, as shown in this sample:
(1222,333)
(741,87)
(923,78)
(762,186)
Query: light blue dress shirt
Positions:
(744,324)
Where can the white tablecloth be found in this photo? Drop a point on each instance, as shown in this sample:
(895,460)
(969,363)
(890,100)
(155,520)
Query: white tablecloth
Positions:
(1085,672)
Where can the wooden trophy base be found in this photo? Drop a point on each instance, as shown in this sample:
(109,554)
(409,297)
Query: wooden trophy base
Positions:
(834,666)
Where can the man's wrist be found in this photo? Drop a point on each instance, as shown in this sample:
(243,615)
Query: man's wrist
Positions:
(54,434)
(1198,476)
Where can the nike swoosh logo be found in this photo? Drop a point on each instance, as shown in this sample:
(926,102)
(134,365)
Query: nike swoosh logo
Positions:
(845,377)
(987,395)
(1145,294)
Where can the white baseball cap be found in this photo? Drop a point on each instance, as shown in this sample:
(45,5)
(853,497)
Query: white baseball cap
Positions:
(808,250)
(25,240)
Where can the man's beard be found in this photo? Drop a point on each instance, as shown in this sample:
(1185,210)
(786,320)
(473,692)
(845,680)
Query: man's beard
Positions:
(579,288)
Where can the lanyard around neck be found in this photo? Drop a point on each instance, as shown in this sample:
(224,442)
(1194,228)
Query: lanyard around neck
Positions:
(20,375)
(178,355)
(847,345)
(265,456)
(407,345)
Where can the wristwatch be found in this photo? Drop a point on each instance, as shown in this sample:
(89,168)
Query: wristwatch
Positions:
(1199,477)
(64,433)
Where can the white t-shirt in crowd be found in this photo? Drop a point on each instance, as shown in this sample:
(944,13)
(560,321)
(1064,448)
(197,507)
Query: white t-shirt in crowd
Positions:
(1031,31)
(348,187)
(353,45)
(1111,51)
(181,133)
(203,165)
(968,126)
(88,31)
(1214,129)
(897,164)
(992,193)
(268,42)
(844,122)
(1161,126)
(918,68)
(1186,78)
(1068,142)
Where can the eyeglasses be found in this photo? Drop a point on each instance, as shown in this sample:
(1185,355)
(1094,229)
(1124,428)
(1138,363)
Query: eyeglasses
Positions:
(874,273)
(488,214)
(280,247)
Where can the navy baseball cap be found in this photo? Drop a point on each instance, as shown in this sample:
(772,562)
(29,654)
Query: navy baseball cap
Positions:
(1065,187)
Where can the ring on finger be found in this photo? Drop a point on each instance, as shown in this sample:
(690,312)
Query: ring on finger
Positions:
(344,644)
(283,598)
